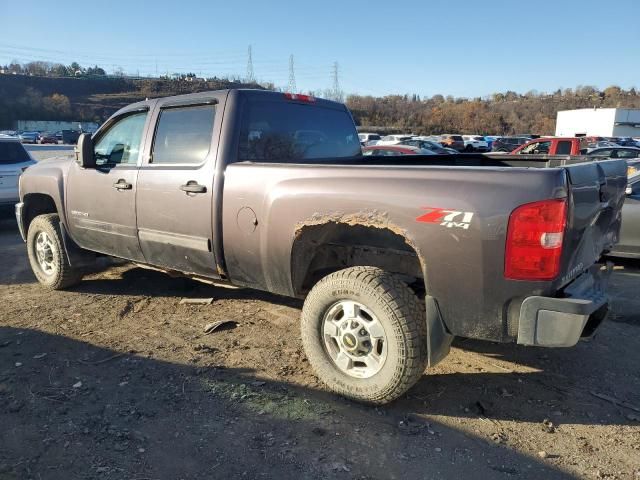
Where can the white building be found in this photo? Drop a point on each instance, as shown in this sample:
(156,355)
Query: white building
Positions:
(598,122)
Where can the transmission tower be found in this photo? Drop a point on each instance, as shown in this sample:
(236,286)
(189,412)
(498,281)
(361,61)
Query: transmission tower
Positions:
(292,77)
(250,77)
(335,91)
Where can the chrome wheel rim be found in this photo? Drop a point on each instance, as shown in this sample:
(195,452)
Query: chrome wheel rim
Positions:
(354,339)
(45,252)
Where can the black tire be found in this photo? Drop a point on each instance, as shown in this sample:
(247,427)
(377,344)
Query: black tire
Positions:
(399,311)
(62,275)
(468,149)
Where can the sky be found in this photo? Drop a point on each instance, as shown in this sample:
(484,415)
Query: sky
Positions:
(428,47)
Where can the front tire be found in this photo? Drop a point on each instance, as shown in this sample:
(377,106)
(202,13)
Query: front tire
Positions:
(364,333)
(47,255)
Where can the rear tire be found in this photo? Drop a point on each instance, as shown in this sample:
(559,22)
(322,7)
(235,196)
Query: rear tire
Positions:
(47,255)
(389,323)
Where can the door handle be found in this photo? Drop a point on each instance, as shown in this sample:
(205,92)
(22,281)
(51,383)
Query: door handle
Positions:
(193,187)
(122,184)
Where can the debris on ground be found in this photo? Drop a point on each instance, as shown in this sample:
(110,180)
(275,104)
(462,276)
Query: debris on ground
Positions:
(196,301)
(212,327)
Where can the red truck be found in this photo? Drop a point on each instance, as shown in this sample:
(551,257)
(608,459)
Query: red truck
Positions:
(556,146)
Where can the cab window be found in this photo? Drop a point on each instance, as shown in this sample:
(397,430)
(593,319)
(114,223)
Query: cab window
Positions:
(536,148)
(121,143)
(564,148)
(183,135)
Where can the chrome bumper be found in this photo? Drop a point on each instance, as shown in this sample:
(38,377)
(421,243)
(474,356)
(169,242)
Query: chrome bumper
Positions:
(19,209)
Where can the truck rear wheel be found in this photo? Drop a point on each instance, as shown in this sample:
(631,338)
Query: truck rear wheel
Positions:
(364,332)
(47,255)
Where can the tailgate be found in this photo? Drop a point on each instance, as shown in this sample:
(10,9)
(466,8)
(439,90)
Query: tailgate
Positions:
(596,196)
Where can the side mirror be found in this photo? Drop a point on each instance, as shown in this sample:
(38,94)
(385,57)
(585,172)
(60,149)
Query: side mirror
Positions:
(84,151)
(629,191)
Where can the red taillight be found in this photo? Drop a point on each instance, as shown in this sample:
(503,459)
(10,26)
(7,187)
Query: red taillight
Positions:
(299,97)
(534,240)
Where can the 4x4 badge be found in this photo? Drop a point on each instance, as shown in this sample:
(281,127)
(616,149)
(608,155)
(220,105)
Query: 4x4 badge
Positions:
(446,218)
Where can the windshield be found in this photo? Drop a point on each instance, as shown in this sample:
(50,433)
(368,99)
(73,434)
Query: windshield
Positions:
(12,152)
(274,131)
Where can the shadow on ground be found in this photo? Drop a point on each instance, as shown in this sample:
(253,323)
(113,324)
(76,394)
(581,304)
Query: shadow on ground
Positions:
(69,409)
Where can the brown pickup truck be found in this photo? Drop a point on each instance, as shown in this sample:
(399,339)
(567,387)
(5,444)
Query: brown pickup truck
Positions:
(394,256)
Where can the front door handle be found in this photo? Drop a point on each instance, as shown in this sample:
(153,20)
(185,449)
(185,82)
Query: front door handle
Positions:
(122,184)
(193,187)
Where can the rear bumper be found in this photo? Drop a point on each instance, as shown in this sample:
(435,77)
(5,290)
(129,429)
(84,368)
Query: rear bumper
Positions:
(560,322)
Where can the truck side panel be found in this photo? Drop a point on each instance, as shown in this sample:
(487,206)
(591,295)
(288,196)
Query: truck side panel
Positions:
(453,217)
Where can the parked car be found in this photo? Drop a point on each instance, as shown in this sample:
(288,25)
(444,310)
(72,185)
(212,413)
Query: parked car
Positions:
(629,244)
(430,145)
(490,139)
(47,138)
(623,141)
(512,259)
(14,160)
(70,137)
(9,133)
(452,141)
(29,137)
(393,139)
(368,138)
(391,150)
(559,146)
(475,143)
(508,144)
(596,145)
(615,152)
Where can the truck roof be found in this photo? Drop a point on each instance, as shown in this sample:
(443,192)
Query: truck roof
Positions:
(209,94)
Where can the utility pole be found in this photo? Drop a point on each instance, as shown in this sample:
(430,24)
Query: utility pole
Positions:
(336,92)
(250,78)
(292,77)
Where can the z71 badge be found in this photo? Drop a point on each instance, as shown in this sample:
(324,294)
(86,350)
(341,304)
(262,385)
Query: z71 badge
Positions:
(446,218)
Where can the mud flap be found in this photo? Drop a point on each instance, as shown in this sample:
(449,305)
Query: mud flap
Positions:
(78,257)
(438,338)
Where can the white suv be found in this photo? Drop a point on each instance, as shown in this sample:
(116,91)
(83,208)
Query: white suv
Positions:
(394,139)
(475,143)
(368,138)
(14,160)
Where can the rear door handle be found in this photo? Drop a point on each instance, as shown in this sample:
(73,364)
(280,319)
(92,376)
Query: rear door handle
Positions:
(122,184)
(193,187)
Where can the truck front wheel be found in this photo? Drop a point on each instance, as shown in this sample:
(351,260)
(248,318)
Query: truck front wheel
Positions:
(364,332)
(47,255)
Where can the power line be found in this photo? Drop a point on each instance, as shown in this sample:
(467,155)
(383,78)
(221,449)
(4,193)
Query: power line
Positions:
(292,77)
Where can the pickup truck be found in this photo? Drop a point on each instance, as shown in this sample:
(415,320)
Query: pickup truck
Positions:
(393,256)
(557,146)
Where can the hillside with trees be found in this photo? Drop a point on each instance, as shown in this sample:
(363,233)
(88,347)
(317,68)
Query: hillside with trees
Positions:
(48,91)
(498,114)
(45,91)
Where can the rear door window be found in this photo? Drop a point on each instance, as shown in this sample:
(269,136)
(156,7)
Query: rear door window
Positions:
(273,131)
(183,135)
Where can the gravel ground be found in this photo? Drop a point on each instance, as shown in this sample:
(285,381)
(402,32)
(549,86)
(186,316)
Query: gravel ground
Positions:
(115,379)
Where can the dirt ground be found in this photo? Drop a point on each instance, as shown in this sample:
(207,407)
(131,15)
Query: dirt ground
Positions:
(115,379)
